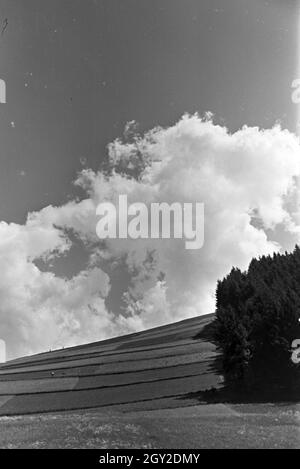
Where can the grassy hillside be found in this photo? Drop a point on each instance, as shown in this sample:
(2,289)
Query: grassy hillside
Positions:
(145,390)
(164,363)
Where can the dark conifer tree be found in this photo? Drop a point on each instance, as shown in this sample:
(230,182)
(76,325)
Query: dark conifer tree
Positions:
(257,318)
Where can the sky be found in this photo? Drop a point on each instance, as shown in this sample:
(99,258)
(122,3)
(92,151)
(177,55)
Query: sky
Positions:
(76,72)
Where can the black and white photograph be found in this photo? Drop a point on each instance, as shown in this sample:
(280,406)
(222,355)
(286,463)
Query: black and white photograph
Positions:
(149,228)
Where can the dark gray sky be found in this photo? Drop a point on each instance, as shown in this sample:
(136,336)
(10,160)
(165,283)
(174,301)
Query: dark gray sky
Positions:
(77,70)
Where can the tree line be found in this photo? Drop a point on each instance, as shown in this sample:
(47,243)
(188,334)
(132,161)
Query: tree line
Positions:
(257,319)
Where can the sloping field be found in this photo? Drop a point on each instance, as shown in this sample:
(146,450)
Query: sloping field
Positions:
(156,367)
(136,391)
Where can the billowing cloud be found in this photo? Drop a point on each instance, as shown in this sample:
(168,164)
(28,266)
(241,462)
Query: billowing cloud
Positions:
(248,182)
(39,310)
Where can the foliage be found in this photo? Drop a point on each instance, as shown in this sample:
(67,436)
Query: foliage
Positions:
(257,318)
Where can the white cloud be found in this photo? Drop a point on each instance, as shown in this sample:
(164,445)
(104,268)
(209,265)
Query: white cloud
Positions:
(37,309)
(248,182)
(251,172)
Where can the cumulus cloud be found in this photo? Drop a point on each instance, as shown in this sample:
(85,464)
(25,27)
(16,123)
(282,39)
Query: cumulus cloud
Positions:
(39,310)
(249,183)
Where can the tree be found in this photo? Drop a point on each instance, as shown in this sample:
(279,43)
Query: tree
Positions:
(257,318)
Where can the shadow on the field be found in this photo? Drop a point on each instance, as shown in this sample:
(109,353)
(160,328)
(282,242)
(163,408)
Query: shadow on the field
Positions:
(236,395)
(235,392)
(206,334)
